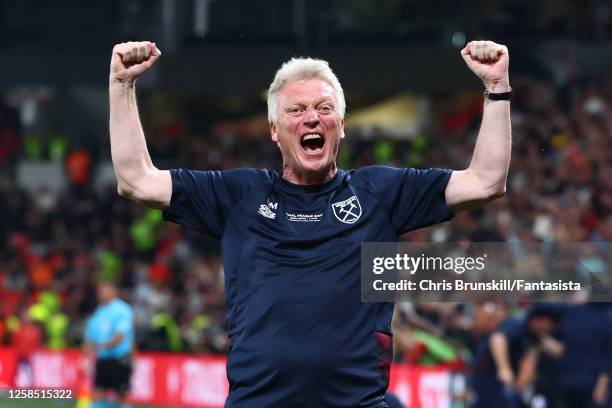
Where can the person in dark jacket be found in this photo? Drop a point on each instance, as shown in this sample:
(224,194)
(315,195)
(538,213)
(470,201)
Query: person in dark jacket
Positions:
(585,366)
(498,357)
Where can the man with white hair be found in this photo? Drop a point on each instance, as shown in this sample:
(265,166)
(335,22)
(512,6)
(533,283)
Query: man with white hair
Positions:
(300,337)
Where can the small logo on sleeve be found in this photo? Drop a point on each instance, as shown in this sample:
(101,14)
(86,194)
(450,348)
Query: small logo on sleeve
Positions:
(267,210)
(347,211)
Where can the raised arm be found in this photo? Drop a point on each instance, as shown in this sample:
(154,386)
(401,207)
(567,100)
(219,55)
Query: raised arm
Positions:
(137,178)
(485,178)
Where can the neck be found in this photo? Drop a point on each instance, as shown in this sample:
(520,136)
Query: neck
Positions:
(308,179)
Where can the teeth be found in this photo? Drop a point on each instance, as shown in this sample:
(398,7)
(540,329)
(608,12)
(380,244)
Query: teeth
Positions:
(311,136)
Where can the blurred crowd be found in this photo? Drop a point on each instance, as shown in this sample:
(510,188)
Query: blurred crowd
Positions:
(64,228)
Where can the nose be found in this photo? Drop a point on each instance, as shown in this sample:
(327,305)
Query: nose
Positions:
(311,117)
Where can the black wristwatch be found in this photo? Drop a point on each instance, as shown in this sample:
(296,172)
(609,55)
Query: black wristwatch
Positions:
(498,96)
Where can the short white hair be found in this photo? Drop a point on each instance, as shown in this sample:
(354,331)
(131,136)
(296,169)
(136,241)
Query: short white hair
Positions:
(297,69)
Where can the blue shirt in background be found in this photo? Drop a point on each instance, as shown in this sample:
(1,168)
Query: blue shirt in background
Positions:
(106,322)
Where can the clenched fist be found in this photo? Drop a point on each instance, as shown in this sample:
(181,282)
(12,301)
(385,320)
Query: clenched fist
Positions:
(489,61)
(132,59)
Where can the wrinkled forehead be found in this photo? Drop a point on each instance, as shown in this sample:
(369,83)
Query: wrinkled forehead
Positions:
(306,91)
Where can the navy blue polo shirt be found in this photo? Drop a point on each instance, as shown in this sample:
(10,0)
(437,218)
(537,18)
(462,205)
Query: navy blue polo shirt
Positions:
(586,331)
(300,336)
(519,340)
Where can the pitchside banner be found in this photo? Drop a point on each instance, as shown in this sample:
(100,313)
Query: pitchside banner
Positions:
(482,271)
(181,380)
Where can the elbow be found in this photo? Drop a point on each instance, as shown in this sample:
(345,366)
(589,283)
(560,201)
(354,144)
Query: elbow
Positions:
(125,191)
(491,187)
(146,189)
(494,191)
(497,192)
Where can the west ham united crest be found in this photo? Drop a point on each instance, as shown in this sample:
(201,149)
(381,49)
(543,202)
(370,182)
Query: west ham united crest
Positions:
(347,211)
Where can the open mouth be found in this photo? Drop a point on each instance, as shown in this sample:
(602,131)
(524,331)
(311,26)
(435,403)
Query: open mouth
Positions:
(312,142)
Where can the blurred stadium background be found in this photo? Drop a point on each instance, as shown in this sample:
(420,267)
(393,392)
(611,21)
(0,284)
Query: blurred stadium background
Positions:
(411,102)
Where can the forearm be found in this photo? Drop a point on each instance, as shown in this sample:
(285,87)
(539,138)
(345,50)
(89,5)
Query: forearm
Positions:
(552,346)
(114,341)
(499,351)
(130,156)
(603,379)
(527,371)
(600,391)
(491,157)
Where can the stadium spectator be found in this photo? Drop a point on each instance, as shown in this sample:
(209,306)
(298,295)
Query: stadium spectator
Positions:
(26,338)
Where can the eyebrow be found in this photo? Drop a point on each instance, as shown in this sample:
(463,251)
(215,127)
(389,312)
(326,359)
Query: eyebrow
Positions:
(325,99)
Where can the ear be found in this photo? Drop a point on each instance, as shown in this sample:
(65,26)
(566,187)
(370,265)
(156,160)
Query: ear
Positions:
(273,133)
(342,128)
